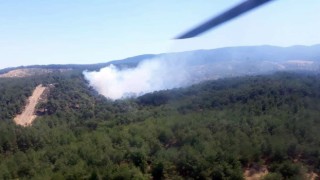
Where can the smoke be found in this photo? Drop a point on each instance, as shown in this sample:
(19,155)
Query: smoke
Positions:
(175,70)
(149,75)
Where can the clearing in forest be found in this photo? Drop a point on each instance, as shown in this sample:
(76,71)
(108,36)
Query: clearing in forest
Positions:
(28,114)
(255,173)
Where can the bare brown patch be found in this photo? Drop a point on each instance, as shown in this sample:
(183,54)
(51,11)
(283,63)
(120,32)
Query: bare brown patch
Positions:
(26,72)
(312,176)
(28,115)
(254,173)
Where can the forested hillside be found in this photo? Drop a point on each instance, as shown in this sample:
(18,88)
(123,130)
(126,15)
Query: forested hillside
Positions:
(215,129)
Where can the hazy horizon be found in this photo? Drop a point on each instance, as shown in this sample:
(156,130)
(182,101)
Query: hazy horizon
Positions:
(110,60)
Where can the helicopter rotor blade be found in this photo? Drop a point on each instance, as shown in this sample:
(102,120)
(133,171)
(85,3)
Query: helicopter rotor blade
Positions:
(222,18)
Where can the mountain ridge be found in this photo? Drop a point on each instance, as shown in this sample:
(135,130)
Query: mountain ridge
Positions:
(203,55)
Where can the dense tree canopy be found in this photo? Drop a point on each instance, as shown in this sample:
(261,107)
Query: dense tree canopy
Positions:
(215,130)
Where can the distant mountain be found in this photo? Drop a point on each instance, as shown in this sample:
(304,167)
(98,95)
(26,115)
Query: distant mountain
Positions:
(261,53)
(252,59)
(128,62)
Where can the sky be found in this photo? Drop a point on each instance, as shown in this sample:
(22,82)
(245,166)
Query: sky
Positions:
(86,32)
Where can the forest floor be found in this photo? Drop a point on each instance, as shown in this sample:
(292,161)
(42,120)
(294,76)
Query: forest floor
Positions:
(255,174)
(312,176)
(260,173)
(28,114)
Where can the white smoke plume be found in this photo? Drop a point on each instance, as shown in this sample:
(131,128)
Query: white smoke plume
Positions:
(150,75)
(175,70)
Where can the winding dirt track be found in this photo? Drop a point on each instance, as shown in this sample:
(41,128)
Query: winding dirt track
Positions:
(28,114)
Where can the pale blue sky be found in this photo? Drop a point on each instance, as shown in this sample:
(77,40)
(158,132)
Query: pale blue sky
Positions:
(91,31)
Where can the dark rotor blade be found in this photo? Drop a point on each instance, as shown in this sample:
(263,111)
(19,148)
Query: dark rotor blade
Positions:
(224,17)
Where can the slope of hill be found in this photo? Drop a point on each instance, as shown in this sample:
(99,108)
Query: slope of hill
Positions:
(239,60)
(216,129)
(230,128)
(27,72)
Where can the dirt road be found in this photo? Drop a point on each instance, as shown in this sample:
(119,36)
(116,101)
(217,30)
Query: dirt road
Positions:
(28,114)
